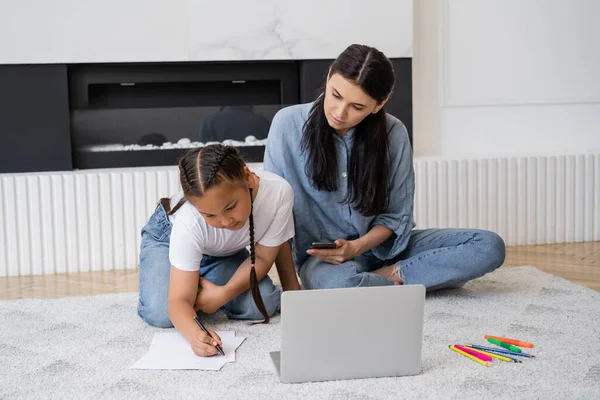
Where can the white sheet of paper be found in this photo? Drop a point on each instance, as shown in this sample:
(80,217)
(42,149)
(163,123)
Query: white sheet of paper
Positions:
(170,350)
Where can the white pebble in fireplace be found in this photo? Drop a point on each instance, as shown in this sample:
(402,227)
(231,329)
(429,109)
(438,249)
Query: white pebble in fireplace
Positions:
(184,143)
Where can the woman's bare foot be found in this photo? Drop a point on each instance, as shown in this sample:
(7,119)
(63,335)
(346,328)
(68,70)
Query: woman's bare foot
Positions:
(390,272)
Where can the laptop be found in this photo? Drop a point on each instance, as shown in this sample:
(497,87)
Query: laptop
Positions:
(333,334)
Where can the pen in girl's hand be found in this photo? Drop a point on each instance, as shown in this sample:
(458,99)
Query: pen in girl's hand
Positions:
(197,321)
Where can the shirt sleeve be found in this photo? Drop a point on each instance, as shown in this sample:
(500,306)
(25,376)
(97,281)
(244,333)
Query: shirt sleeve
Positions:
(185,252)
(398,217)
(282,227)
(273,159)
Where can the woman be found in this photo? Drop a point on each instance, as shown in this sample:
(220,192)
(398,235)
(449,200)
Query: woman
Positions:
(350,165)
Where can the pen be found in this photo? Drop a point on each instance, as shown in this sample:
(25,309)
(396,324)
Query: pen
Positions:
(197,321)
(497,350)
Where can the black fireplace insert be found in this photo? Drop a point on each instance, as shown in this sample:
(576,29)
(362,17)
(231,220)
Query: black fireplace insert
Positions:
(82,116)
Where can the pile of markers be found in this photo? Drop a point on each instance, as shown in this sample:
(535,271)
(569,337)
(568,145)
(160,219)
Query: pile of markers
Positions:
(508,350)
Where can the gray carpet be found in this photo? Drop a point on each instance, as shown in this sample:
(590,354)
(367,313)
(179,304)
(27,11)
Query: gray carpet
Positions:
(82,348)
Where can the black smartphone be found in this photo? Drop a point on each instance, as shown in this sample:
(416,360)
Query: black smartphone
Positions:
(323,245)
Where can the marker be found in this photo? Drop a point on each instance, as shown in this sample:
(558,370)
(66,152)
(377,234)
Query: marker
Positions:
(474,353)
(505,345)
(511,341)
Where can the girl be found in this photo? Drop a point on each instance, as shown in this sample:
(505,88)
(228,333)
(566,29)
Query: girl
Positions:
(193,253)
(350,165)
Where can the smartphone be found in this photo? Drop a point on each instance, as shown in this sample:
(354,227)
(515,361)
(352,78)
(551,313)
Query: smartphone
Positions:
(323,245)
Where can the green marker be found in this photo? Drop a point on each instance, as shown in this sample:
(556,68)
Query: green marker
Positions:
(505,345)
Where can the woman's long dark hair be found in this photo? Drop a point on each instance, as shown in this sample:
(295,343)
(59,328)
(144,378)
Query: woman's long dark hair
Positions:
(368,170)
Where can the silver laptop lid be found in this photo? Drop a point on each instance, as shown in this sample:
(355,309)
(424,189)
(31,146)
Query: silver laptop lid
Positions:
(351,333)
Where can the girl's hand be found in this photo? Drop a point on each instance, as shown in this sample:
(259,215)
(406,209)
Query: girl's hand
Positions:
(346,250)
(211,297)
(203,345)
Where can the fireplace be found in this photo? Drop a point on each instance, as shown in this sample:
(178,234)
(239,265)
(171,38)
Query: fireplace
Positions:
(107,115)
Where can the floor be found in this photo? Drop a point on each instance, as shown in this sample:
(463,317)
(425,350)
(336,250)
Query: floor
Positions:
(577,262)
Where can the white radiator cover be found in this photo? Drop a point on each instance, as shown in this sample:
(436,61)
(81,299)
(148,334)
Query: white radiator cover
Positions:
(67,222)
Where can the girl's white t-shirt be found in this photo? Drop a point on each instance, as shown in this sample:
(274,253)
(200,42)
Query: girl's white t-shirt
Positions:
(192,237)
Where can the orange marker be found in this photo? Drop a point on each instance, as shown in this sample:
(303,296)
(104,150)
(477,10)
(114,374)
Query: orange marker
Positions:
(514,342)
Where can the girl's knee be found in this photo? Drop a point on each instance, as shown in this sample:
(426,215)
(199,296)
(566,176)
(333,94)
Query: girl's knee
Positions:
(244,306)
(155,313)
(271,296)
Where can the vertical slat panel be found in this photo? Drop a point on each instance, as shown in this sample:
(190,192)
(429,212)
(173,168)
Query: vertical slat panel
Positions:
(152,196)
(47,225)
(162,185)
(432,194)
(117,221)
(570,200)
(531,190)
(542,216)
(503,199)
(521,193)
(580,173)
(512,204)
(83,231)
(9,216)
(417,199)
(597,198)
(34,222)
(59,213)
(94,223)
(551,198)
(3,229)
(442,193)
(73,221)
(463,194)
(92,220)
(421,189)
(24,243)
(492,196)
(174,185)
(482,195)
(472,192)
(141,216)
(105,214)
(560,198)
(453,194)
(131,232)
(588,203)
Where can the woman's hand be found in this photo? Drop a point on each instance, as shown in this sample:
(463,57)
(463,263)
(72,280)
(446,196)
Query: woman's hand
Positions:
(203,345)
(211,297)
(346,250)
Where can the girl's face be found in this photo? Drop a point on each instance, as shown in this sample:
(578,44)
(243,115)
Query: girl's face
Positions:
(346,104)
(226,206)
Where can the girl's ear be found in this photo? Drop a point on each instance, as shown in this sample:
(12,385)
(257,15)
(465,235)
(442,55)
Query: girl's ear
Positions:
(247,175)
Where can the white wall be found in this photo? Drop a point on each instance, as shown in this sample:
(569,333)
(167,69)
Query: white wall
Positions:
(77,31)
(506,77)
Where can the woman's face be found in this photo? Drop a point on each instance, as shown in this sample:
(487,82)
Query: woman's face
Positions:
(346,104)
